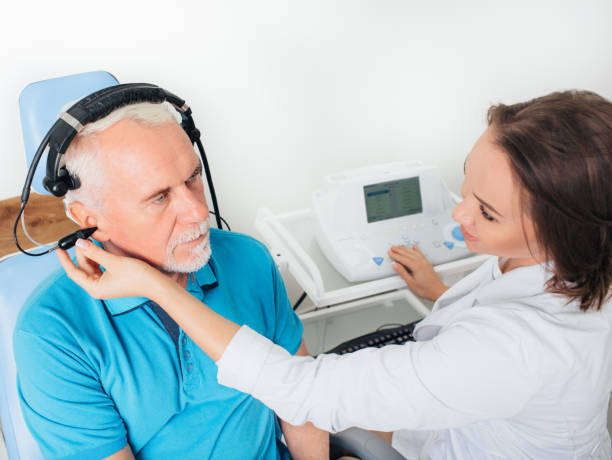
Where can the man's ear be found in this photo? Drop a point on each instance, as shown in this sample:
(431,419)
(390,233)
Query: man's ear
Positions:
(86,217)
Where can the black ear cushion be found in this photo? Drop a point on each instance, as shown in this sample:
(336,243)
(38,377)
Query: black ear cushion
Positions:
(62,183)
(58,188)
(70,180)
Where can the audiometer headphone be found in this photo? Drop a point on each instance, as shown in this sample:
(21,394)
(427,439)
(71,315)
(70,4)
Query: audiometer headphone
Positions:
(58,181)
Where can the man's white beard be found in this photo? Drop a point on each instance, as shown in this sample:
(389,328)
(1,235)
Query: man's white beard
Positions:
(198,256)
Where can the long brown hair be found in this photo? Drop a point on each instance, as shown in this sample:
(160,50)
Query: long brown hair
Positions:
(560,151)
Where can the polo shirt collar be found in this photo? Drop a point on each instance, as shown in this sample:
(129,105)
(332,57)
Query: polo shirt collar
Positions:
(205,278)
(124,304)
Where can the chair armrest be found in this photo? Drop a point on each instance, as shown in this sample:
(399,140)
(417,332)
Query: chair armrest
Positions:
(364,444)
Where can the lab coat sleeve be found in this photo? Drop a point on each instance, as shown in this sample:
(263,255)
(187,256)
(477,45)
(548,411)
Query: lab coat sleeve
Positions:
(469,372)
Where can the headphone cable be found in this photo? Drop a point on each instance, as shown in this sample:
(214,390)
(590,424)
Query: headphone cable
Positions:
(222,219)
(211,187)
(28,236)
(23,205)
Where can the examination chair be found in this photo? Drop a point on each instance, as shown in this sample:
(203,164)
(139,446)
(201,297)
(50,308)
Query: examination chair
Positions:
(39,105)
(19,276)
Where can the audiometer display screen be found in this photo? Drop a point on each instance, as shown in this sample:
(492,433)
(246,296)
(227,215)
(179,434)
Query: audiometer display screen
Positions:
(397,198)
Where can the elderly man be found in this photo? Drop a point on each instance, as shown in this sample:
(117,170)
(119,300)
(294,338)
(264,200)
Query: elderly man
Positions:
(118,378)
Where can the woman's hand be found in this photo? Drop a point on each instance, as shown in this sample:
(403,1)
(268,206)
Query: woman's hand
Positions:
(129,277)
(123,276)
(417,272)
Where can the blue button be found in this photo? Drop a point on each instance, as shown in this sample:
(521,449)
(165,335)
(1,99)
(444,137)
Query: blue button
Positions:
(184,340)
(449,245)
(189,367)
(378,260)
(457,233)
(187,354)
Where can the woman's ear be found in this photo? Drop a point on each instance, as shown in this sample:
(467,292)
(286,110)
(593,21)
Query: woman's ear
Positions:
(86,217)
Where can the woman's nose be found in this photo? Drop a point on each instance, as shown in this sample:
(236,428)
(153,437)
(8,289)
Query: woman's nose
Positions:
(462,213)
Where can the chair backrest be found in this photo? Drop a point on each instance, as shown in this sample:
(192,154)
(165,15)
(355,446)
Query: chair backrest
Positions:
(19,276)
(39,105)
(41,102)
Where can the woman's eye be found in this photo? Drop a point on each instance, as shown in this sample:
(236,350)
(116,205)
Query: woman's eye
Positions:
(486,215)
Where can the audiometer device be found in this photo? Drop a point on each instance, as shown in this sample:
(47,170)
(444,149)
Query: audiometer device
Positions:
(361,213)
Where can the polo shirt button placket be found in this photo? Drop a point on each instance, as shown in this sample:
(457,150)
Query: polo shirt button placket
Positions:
(189,376)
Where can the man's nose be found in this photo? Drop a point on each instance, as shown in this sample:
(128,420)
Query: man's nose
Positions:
(192,206)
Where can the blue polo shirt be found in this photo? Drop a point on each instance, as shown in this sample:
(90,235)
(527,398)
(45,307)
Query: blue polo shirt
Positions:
(93,375)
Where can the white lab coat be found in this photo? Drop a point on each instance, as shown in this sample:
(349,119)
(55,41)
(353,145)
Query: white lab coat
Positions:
(500,369)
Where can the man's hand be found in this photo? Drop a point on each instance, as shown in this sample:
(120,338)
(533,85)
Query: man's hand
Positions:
(306,442)
(417,272)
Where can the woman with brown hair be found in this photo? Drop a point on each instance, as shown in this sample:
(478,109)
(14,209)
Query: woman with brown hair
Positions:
(515,360)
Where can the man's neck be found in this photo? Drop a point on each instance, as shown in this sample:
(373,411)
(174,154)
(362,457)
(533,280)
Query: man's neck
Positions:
(180,278)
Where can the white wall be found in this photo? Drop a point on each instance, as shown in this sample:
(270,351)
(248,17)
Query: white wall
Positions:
(288,91)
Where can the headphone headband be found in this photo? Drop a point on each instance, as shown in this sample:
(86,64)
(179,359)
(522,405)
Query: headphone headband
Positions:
(93,108)
(101,103)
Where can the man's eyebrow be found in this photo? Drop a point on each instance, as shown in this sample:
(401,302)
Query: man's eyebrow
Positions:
(162,191)
(196,171)
(488,205)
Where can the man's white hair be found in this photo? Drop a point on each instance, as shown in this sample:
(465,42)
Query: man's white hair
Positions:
(82,159)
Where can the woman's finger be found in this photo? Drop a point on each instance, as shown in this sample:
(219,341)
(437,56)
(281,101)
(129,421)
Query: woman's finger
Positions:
(76,275)
(401,250)
(419,253)
(417,249)
(415,253)
(403,272)
(64,259)
(86,264)
(95,253)
(403,257)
